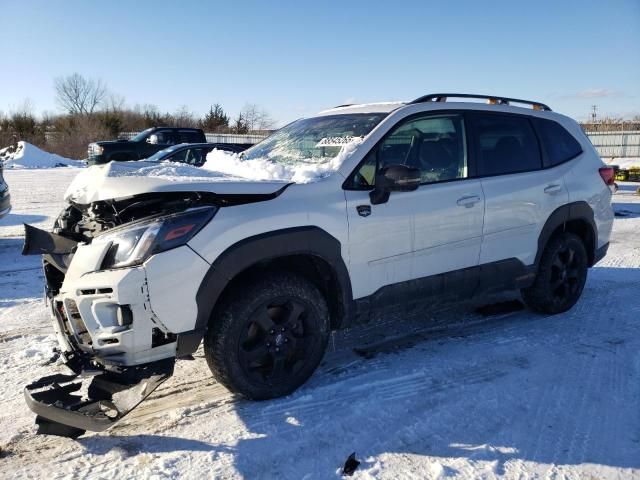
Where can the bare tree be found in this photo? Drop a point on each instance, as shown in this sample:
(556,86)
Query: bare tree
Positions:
(184,118)
(79,95)
(256,118)
(114,102)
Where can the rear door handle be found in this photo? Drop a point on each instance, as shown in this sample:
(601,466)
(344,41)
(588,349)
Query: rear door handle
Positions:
(553,188)
(468,201)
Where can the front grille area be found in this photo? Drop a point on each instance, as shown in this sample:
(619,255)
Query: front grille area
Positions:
(79,327)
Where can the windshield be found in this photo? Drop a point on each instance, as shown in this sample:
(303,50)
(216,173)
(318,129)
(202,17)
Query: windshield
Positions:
(313,141)
(141,136)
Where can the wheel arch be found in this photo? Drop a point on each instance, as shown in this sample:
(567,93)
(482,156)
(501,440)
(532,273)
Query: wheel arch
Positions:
(309,251)
(577,218)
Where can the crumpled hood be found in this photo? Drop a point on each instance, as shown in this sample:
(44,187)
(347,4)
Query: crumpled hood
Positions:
(125,179)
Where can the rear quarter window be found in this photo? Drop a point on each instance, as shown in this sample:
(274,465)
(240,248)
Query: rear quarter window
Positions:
(189,137)
(558,144)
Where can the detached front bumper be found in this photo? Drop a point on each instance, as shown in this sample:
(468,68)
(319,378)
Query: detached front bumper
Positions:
(120,344)
(92,401)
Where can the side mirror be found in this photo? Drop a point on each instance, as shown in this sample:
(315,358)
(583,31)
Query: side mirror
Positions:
(394,178)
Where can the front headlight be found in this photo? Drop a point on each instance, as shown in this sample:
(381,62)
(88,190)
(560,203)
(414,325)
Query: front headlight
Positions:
(95,149)
(133,244)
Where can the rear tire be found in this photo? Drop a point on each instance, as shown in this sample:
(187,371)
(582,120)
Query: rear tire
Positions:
(268,336)
(561,275)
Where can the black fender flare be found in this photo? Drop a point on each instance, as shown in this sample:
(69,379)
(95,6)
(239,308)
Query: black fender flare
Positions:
(572,211)
(267,246)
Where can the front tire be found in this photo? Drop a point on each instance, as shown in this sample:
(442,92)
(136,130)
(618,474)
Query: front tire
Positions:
(268,336)
(561,275)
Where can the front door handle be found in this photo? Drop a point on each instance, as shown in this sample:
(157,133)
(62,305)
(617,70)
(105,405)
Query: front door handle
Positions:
(553,188)
(468,201)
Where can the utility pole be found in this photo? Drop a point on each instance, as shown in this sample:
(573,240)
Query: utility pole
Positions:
(594,113)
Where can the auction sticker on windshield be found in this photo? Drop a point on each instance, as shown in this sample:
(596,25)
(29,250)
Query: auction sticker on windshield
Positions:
(336,141)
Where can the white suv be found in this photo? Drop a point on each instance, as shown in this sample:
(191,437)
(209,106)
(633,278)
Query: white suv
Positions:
(316,227)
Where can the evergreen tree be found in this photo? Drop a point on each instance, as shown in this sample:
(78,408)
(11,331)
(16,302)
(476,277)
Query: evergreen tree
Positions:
(215,121)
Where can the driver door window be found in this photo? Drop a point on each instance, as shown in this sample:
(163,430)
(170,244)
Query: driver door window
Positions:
(435,145)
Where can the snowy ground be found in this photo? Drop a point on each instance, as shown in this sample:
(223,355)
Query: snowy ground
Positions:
(26,155)
(434,395)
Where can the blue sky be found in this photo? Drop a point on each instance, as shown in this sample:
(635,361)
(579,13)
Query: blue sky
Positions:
(295,58)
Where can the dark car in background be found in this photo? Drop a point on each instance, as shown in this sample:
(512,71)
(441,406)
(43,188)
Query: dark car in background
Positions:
(143,145)
(5,198)
(193,153)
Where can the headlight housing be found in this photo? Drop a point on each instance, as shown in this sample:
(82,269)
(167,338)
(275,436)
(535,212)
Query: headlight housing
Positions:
(133,244)
(95,149)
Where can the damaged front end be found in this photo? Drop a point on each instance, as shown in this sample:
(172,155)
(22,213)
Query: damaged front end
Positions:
(96,264)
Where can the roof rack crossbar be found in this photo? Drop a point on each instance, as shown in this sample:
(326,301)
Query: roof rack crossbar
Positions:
(442,97)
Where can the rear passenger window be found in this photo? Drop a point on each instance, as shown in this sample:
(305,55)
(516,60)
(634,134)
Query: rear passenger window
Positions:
(189,137)
(507,144)
(558,144)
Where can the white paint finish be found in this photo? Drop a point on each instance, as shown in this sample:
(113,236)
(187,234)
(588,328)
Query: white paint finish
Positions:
(87,258)
(414,234)
(98,311)
(585,183)
(380,245)
(173,281)
(319,204)
(516,209)
(448,226)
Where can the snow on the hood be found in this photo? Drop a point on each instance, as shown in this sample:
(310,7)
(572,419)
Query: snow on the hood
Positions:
(171,171)
(27,155)
(220,167)
(265,169)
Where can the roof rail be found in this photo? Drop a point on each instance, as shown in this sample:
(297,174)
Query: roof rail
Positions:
(344,105)
(442,97)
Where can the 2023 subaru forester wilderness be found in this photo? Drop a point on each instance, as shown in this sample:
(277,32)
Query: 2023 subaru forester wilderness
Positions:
(359,207)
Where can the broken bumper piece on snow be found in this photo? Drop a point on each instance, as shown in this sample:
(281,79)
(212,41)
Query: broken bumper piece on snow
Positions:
(68,405)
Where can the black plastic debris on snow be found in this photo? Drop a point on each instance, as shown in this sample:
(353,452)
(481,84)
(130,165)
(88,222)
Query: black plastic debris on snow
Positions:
(350,465)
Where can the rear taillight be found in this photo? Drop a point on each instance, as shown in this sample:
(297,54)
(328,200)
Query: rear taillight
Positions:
(608,176)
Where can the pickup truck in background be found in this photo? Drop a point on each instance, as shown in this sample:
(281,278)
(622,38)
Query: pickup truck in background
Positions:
(143,145)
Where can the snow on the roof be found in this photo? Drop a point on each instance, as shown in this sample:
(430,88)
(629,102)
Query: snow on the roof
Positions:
(27,155)
(378,107)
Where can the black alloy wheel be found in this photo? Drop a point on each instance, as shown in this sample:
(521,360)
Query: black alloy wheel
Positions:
(268,336)
(561,275)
